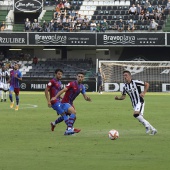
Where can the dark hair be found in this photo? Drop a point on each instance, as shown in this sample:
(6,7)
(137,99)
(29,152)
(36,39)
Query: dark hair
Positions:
(58,70)
(126,71)
(80,72)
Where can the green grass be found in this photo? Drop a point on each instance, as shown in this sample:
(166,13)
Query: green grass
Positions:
(26,142)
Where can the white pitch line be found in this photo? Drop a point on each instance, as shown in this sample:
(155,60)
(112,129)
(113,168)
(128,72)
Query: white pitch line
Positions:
(27,106)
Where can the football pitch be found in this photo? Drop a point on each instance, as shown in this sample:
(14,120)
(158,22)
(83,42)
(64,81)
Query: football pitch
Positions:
(27,143)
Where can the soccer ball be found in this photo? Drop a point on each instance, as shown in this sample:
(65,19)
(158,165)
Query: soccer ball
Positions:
(113,134)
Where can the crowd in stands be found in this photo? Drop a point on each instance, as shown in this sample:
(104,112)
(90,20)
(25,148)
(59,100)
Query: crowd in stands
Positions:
(67,19)
(2,26)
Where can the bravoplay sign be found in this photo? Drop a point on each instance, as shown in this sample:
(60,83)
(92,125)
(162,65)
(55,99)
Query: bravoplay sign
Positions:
(143,39)
(27,6)
(62,39)
(13,39)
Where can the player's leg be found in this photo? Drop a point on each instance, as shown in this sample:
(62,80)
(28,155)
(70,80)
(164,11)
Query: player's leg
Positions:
(57,107)
(138,114)
(1,91)
(60,119)
(11,90)
(1,95)
(5,91)
(16,90)
(69,109)
(5,95)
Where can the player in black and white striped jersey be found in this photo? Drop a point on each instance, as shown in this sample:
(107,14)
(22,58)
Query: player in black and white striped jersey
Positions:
(133,89)
(4,87)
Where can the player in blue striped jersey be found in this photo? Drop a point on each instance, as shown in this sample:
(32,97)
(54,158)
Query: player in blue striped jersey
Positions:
(15,77)
(133,89)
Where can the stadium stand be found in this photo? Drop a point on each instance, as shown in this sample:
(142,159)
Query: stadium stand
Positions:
(112,11)
(46,67)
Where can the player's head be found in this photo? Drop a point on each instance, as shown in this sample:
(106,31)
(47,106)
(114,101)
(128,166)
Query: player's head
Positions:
(127,76)
(58,74)
(3,68)
(16,66)
(80,77)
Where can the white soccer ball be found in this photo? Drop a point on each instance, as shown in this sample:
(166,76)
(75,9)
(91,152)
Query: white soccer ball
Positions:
(113,134)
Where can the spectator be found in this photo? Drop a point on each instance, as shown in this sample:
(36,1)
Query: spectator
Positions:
(35,60)
(27,25)
(72,24)
(55,26)
(50,27)
(79,18)
(93,26)
(44,26)
(98,28)
(159,12)
(153,25)
(83,26)
(64,19)
(35,26)
(131,25)
(66,26)
(60,26)
(147,16)
(138,9)
(78,26)
(146,5)
(120,26)
(141,15)
(86,20)
(168,6)
(150,8)
(132,10)
(60,6)
(2,26)
(67,5)
(57,11)
(104,26)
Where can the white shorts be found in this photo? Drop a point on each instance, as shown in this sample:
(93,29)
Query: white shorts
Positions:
(139,108)
(1,85)
(6,87)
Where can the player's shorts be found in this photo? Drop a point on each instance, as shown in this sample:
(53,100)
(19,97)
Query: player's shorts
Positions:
(99,83)
(1,86)
(6,87)
(61,107)
(16,90)
(139,108)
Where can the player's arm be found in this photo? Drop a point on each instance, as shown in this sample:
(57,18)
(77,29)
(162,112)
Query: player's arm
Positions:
(59,93)
(122,97)
(18,76)
(146,87)
(47,96)
(8,81)
(86,98)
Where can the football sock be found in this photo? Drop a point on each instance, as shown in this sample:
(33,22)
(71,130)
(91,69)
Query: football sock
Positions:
(65,117)
(5,95)
(10,97)
(143,121)
(60,119)
(17,100)
(71,121)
